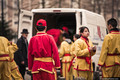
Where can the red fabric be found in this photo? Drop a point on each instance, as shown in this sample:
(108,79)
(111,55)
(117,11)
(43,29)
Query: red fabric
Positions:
(114,54)
(4,55)
(55,33)
(65,29)
(86,58)
(41,22)
(42,45)
(43,76)
(113,31)
(67,54)
(70,64)
(82,70)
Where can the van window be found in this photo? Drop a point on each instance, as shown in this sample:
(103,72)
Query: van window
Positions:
(56,20)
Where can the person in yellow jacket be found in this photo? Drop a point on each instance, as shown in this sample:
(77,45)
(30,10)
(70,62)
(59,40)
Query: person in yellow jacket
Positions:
(5,72)
(84,50)
(75,37)
(110,54)
(14,68)
(65,50)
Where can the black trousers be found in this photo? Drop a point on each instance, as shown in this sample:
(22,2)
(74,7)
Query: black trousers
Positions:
(22,69)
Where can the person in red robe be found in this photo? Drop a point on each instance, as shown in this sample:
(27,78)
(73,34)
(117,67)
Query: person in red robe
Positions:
(43,57)
(57,34)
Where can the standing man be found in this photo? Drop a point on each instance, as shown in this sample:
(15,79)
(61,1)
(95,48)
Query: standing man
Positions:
(43,55)
(5,72)
(21,53)
(110,55)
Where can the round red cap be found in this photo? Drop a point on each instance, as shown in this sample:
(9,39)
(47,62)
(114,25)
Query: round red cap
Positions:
(41,22)
(65,29)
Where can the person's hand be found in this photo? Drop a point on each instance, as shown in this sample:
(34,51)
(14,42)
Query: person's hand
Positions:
(100,68)
(10,42)
(22,62)
(90,48)
(94,48)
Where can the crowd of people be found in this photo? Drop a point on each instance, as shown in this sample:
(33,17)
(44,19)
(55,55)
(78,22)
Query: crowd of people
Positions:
(42,57)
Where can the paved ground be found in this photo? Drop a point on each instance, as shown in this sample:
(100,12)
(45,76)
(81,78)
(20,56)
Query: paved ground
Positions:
(27,77)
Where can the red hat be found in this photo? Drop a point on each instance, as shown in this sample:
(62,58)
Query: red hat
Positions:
(41,22)
(65,29)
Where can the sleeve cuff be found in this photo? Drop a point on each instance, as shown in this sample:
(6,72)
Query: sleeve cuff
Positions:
(57,67)
(100,65)
(29,70)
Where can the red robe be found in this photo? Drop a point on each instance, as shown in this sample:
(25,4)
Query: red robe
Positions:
(55,33)
(41,46)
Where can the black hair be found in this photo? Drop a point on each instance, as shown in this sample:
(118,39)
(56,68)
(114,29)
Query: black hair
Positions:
(77,36)
(40,28)
(83,28)
(112,22)
(60,28)
(66,35)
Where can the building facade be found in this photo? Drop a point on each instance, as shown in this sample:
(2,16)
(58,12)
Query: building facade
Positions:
(104,7)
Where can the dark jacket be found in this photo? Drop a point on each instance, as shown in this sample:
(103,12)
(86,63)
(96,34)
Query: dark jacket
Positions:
(21,54)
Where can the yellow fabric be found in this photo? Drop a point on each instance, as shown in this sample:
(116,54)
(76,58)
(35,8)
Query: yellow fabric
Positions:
(15,72)
(13,66)
(85,75)
(73,50)
(111,71)
(5,72)
(81,49)
(66,74)
(48,59)
(4,45)
(65,48)
(73,70)
(52,72)
(111,45)
(73,54)
(12,48)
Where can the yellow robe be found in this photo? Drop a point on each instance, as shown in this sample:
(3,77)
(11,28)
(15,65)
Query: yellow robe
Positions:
(74,56)
(14,69)
(83,69)
(66,49)
(5,72)
(110,55)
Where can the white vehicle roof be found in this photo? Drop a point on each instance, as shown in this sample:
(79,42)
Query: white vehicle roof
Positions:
(51,10)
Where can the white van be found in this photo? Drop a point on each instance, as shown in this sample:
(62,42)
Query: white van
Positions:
(72,18)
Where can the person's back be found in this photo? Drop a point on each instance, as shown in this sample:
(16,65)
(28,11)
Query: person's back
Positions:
(5,73)
(43,55)
(65,50)
(56,33)
(114,45)
(110,55)
(42,47)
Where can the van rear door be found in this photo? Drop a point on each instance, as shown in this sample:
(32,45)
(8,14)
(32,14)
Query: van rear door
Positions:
(25,22)
(78,21)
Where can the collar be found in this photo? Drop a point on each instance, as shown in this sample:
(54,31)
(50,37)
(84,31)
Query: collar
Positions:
(23,37)
(114,31)
(68,41)
(84,38)
(38,33)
